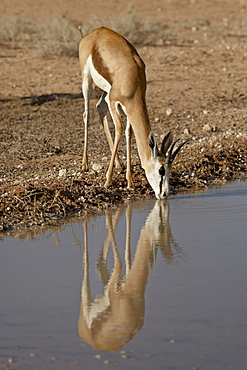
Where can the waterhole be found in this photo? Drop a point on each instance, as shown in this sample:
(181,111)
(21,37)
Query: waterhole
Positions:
(152,284)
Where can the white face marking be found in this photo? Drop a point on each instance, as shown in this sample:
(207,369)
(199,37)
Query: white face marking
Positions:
(159,183)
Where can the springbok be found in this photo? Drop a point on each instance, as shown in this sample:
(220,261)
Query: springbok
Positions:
(113,64)
(112,319)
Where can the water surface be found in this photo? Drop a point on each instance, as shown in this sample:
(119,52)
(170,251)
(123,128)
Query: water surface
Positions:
(151,285)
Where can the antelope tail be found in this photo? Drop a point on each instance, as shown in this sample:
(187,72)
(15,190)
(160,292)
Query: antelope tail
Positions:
(80,30)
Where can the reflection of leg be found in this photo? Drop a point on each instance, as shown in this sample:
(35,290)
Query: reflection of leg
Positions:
(102,107)
(128,214)
(128,133)
(101,265)
(115,273)
(85,289)
(111,225)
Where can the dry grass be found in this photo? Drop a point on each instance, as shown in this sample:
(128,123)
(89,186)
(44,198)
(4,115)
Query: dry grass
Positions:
(16,29)
(138,31)
(228,30)
(60,37)
(55,37)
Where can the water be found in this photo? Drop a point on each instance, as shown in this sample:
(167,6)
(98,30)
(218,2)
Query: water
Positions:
(158,285)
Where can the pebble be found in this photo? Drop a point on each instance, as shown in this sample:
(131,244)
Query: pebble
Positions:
(168,111)
(96,167)
(62,173)
(207,128)
(187,131)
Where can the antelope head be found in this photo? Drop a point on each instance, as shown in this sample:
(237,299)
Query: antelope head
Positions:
(162,159)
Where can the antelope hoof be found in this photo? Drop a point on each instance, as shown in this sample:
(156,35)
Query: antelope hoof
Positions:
(84,167)
(131,186)
(130,182)
(107,184)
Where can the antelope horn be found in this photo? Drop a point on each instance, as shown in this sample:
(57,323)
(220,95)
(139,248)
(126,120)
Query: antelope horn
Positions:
(171,156)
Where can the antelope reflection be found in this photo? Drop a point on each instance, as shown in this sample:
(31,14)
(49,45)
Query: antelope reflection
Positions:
(114,317)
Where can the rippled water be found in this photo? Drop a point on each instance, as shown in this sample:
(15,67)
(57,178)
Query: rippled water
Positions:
(154,284)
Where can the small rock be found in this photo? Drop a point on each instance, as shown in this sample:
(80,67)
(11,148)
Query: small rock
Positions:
(207,128)
(62,173)
(168,111)
(187,174)
(187,131)
(96,167)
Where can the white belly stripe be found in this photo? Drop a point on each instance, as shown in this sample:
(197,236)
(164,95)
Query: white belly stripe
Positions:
(100,81)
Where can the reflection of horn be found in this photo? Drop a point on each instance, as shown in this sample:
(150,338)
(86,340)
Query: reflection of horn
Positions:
(112,318)
(163,234)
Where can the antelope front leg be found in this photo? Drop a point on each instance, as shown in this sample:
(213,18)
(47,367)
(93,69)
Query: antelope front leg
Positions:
(102,107)
(118,130)
(85,157)
(86,88)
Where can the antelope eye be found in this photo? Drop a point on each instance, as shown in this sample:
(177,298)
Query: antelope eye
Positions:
(162,171)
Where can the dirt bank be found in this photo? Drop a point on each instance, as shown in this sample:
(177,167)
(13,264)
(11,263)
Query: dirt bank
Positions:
(196,87)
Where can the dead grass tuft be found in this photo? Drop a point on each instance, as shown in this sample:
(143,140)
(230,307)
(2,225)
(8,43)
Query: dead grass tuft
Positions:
(57,37)
(138,31)
(60,37)
(17,29)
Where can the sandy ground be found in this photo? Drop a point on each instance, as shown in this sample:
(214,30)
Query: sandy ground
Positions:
(196,87)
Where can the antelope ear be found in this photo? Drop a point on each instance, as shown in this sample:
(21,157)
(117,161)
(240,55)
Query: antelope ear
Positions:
(153,145)
(167,142)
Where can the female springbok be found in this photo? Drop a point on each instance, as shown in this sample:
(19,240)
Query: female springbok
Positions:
(113,64)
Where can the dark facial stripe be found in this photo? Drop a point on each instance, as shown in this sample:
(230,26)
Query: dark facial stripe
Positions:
(162,173)
(161,182)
